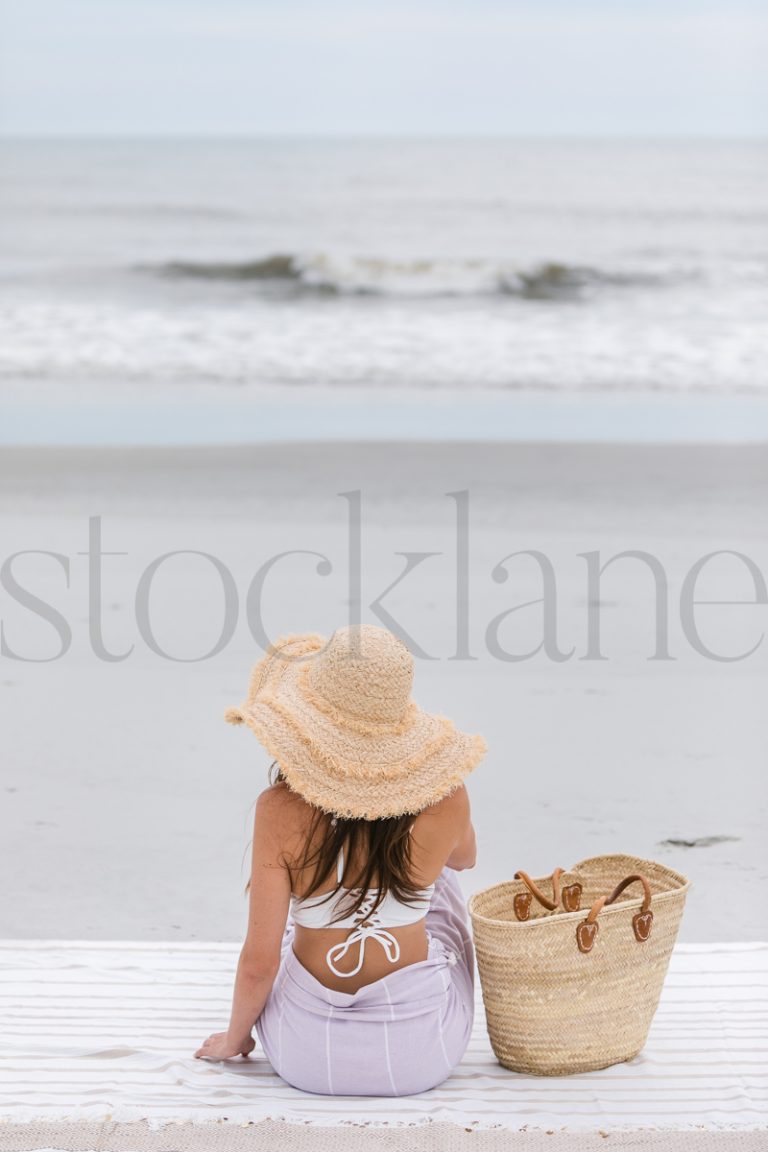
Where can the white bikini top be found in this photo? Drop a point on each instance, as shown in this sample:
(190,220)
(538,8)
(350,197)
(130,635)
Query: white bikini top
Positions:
(318,911)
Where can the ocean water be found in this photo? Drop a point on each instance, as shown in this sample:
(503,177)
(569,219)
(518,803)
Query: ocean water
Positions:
(182,269)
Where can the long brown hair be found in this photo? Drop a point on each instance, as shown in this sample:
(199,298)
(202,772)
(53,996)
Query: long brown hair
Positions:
(384,845)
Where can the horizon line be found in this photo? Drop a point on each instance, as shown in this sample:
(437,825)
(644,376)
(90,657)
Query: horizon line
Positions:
(404,136)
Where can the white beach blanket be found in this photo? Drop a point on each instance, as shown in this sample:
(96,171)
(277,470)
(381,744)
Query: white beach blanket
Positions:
(106,1031)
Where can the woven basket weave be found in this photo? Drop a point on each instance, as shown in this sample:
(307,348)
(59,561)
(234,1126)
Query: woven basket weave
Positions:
(552,1008)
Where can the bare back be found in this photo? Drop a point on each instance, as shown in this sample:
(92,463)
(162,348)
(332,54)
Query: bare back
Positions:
(442,835)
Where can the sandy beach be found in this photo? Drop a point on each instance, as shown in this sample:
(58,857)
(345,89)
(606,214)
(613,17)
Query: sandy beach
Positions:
(127,801)
(447,320)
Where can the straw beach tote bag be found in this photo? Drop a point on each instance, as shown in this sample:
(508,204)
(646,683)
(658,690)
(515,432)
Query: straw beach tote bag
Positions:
(572,965)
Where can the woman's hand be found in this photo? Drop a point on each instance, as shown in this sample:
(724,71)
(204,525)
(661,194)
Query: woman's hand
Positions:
(219,1046)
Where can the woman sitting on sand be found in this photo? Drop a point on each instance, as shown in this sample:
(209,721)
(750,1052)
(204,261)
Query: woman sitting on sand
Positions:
(358,966)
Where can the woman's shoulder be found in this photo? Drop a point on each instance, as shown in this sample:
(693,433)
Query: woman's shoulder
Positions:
(454,806)
(444,820)
(437,830)
(278,801)
(285,819)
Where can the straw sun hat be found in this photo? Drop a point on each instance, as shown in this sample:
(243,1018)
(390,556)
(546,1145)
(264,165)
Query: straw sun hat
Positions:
(338,717)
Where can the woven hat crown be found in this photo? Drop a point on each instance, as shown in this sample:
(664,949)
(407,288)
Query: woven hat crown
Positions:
(338,717)
(365,672)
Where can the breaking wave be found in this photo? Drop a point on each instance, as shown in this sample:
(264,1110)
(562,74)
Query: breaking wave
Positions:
(368,276)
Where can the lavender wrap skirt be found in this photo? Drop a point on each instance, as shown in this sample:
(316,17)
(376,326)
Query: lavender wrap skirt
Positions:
(402,1034)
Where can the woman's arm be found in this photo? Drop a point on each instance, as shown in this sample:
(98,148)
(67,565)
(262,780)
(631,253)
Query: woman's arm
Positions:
(464,854)
(270,895)
(445,830)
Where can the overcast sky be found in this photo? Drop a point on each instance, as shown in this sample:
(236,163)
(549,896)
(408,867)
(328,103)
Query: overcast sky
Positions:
(319,67)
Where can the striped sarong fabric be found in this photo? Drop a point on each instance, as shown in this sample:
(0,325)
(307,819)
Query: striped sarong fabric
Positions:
(106,1031)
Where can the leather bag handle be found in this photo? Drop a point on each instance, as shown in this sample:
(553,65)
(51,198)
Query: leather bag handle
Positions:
(642,921)
(569,896)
